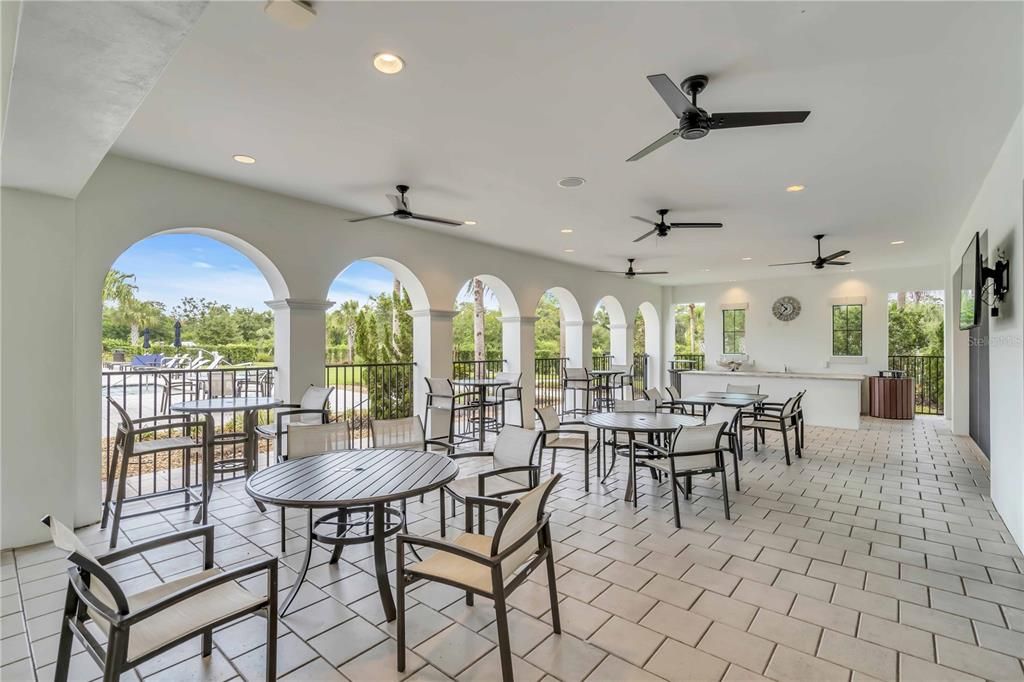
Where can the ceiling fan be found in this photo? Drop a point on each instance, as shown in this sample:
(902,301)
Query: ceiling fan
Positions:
(630,273)
(695,123)
(661,228)
(402,211)
(819,262)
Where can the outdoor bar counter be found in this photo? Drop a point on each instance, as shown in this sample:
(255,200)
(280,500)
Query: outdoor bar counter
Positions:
(832,399)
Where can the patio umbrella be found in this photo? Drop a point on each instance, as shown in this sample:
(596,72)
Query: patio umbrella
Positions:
(177,333)
(145,337)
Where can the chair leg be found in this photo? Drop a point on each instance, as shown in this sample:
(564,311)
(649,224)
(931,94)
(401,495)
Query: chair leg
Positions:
(122,485)
(675,501)
(725,492)
(736,470)
(111,477)
(117,654)
(271,673)
(207,642)
(554,454)
(785,444)
(556,623)
(755,440)
(64,645)
(283,532)
(689,486)
(400,607)
(799,441)
(504,643)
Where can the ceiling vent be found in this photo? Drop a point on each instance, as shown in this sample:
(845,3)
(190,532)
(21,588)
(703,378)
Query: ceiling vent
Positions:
(291,13)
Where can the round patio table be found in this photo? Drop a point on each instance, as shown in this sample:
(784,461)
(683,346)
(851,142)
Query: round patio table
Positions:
(634,423)
(481,386)
(248,406)
(352,482)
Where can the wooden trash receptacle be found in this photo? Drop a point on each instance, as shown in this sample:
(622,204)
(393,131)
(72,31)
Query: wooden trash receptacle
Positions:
(892,397)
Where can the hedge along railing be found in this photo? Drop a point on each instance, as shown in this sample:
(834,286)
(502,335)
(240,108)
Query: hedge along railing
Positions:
(151,392)
(236,353)
(928,372)
(688,361)
(370,391)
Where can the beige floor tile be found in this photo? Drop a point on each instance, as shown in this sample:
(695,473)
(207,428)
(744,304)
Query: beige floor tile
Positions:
(829,616)
(789,664)
(566,658)
(679,624)
(454,649)
(578,618)
(790,632)
(982,662)
(918,670)
(969,607)
(895,636)
(866,602)
(674,592)
(725,610)
(525,632)
(711,579)
(758,594)
(1000,639)
(488,669)
(856,654)
(938,622)
(613,669)
(629,641)
(737,647)
(625,603)
(681,663)
(801,584)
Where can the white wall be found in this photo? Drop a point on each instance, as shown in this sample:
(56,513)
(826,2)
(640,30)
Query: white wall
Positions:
(997,208)
(805,344)
(56,254)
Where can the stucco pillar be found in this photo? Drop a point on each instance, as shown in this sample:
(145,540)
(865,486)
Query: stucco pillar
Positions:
(667,312)
(621,346)
(518,345)
(431,351)
(578,339)
(300,345)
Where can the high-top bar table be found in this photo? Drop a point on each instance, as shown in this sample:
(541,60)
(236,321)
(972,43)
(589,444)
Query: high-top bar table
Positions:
(481,386)
(352,482)
(709,398)
(248,406)
(634,423)
(603,387)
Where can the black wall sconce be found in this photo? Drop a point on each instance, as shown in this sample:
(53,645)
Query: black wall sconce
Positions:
(1000,276)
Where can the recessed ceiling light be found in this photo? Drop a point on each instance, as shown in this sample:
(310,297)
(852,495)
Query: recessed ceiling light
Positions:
(469,222)
(795,188)
(571,182)
(388,63)
(570,250)
(707,269)
(747,258)
(244,158)
(566,230)
(897,243)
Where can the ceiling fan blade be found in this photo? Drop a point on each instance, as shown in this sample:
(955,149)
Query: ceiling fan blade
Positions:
(837,254)
(696,225)
(651,272)
(756,118)
(836,262)
(802,262)
(645,235)
(397,202)
(644,220)
(435,219)
(673,96)
(612,272)
(660,142)
(371,217)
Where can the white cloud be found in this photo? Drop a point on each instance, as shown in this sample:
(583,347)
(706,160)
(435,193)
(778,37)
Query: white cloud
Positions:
(201,264)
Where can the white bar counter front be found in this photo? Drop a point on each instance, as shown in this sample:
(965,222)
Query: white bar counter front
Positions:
(834,400)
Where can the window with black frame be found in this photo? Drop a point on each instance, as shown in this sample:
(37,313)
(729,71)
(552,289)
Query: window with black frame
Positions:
(848,330)
(734,325)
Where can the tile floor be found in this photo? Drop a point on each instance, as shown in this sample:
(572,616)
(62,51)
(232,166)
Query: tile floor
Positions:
(877,556)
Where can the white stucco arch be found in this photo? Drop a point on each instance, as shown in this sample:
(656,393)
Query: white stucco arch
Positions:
(652,343)
(503,292)
(270,272)
(576,330)
(619,330)
(410,282)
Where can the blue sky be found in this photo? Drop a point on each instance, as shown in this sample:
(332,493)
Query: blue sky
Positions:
(171,266)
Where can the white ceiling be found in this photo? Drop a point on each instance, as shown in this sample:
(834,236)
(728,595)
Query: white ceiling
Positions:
(910,103)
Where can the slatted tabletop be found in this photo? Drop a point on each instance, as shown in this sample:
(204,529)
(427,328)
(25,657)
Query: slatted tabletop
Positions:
(351,478)
(724,398)
(642,422)
(488,383)
(228,404)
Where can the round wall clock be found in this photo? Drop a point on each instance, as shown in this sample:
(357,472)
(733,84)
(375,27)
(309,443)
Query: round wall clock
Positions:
(786,308)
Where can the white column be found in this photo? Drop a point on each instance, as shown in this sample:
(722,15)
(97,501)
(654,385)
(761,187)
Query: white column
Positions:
(431,351)
(519,349)
(667,312)
(577,349)
(300,345)
(621,343)
(652,347)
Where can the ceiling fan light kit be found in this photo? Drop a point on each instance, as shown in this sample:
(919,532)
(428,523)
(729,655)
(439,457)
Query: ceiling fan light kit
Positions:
(661,228)
(820,262)
(630,273)
(403,212)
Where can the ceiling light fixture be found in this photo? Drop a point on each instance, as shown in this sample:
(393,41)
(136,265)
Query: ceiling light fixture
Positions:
(707,269)
(747,258)
(244,158)
(795,188)
(570,250)
(469,222)
(897,243)
(388,63)
(566,230)
(571,182)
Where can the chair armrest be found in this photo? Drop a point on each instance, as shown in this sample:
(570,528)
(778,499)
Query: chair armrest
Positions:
(444,546)
(487,501)
(576,432)
(268,564)
(439,441)
(207,532)
(640,445)
(288,413)
(505,470)
(464,455)
(186,424)
(161,417)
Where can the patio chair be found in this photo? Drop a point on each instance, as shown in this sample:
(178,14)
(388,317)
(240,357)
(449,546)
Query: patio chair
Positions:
(694,450)
(743,388)
(782,417)
(509,399)
(491,566)
(730,416)
(577,383)
(556,436)
(622,381)
(660,403)
(512,470)
(619,440)
(443,404)
(312,408)
(182,385)
(142,625)
(307,440)
(138,438)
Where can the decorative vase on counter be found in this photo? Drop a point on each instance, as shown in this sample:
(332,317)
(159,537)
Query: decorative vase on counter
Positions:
(731,365)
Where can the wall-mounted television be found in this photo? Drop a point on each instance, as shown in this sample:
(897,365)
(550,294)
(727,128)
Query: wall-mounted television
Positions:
(970,285)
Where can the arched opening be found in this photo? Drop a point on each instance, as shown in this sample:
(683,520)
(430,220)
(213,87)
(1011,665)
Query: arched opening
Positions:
(609,338)
(478,331)
(184,317)
(647,347)
(557,343)
(689,336)
(371,346)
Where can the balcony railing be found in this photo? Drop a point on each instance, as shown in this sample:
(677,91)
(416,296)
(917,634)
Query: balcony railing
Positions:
(548,388)
(928,372)
(688,361)
(464,366)
(370,391)
(152,391)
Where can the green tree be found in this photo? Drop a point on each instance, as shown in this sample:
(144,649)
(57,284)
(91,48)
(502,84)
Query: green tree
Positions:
(639,334)
(216,327)
(916,324)
(689,329)
(549,336)
(601,336)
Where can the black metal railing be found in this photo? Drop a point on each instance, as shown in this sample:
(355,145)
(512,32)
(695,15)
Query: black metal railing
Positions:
(688,361)
(602,361)
(640,361)
(464,366)
(148,392)
(928,372)
(370,391)
(548,382)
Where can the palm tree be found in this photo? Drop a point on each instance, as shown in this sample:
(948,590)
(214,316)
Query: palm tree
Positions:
(479,320)
(119,287)
(139,315)
(349,313)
